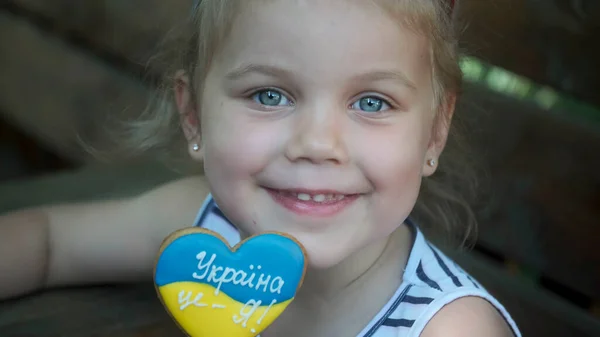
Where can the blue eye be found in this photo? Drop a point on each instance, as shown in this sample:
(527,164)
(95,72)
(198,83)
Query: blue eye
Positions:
(270,97)
(370,104)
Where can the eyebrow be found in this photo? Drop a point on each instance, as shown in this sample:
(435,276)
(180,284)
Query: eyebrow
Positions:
(248,69)
(387,75)
(273,71)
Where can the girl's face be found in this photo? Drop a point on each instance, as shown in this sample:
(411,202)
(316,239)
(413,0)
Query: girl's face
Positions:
(317,121)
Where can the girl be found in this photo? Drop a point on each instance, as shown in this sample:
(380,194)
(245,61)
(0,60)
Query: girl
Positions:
(321,119)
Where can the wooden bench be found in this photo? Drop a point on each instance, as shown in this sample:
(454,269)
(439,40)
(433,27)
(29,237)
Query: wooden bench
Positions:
(537,244)
(134,310)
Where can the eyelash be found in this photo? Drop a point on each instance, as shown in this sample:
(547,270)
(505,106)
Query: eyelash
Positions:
(254,93)
(385,102)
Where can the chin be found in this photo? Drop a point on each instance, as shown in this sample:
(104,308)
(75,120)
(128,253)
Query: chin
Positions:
(324,256)
(321,262)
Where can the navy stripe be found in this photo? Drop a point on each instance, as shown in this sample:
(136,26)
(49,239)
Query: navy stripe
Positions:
(417,300)
(462,271)
(212,207)
(423,277)
(473,281)
(205,213)
(399,323)
(217,211)
(445,268)
(387,314)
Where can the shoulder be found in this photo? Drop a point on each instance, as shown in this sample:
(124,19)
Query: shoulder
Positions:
(457,305)
(187,192)
(171,206)
(466,317)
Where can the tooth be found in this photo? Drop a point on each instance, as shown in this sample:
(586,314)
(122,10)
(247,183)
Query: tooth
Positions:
(319,198)
(303,196)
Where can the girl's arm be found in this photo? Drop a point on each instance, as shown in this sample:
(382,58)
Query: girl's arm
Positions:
(92,243)
(468,317)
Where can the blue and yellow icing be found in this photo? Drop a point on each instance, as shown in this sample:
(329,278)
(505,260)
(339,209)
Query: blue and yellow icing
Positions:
(212,291)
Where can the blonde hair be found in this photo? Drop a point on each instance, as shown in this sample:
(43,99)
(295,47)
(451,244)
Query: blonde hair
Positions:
(444,201)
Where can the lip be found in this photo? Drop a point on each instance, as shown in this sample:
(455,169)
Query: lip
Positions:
(310,207)
(308,191)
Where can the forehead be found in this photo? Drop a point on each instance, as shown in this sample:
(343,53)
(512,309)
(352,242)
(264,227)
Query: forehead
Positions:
(324,37)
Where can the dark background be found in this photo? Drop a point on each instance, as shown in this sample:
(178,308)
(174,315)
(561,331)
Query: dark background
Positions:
(532,99)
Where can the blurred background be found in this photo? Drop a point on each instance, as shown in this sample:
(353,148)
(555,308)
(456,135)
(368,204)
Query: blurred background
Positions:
(532,99)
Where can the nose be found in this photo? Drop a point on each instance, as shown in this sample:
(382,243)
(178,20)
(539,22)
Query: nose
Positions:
(317,137)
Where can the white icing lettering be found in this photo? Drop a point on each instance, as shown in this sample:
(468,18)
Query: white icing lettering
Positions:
(248,282)
(218,306)
(237,280)
(226,277)
(200,258)
(266,311)
(279,282)
(263,282)
(184,300)
(246,312)
(211,272)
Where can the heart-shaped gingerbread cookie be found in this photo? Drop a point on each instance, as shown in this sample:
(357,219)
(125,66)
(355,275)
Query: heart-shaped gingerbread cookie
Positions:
(213,290)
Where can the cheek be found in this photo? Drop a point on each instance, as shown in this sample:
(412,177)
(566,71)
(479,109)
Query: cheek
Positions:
(392,157)
(397,180)
(236,145)
(396,166)
(392,161)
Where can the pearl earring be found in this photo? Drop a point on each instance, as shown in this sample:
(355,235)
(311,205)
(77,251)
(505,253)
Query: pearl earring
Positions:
(431,162)
(196,147)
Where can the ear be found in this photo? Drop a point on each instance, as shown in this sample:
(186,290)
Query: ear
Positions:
(188,114)
(439,135)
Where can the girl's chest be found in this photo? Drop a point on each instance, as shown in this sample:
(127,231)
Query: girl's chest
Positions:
(356,314)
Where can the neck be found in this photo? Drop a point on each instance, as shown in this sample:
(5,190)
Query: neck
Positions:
(344,297)
(332,282)
(330,285)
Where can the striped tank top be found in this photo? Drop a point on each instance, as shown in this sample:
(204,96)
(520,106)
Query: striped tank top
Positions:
(431,280)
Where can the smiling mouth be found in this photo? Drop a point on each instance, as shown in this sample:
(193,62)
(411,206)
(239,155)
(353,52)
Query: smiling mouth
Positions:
(312,203)
(316,197)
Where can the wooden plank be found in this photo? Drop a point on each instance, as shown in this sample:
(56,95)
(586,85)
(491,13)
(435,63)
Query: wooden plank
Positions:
(126,311)
(529,37)
(545,203)
(544,40)
(130,29)
(55,92)
(91,182)
(22,156)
